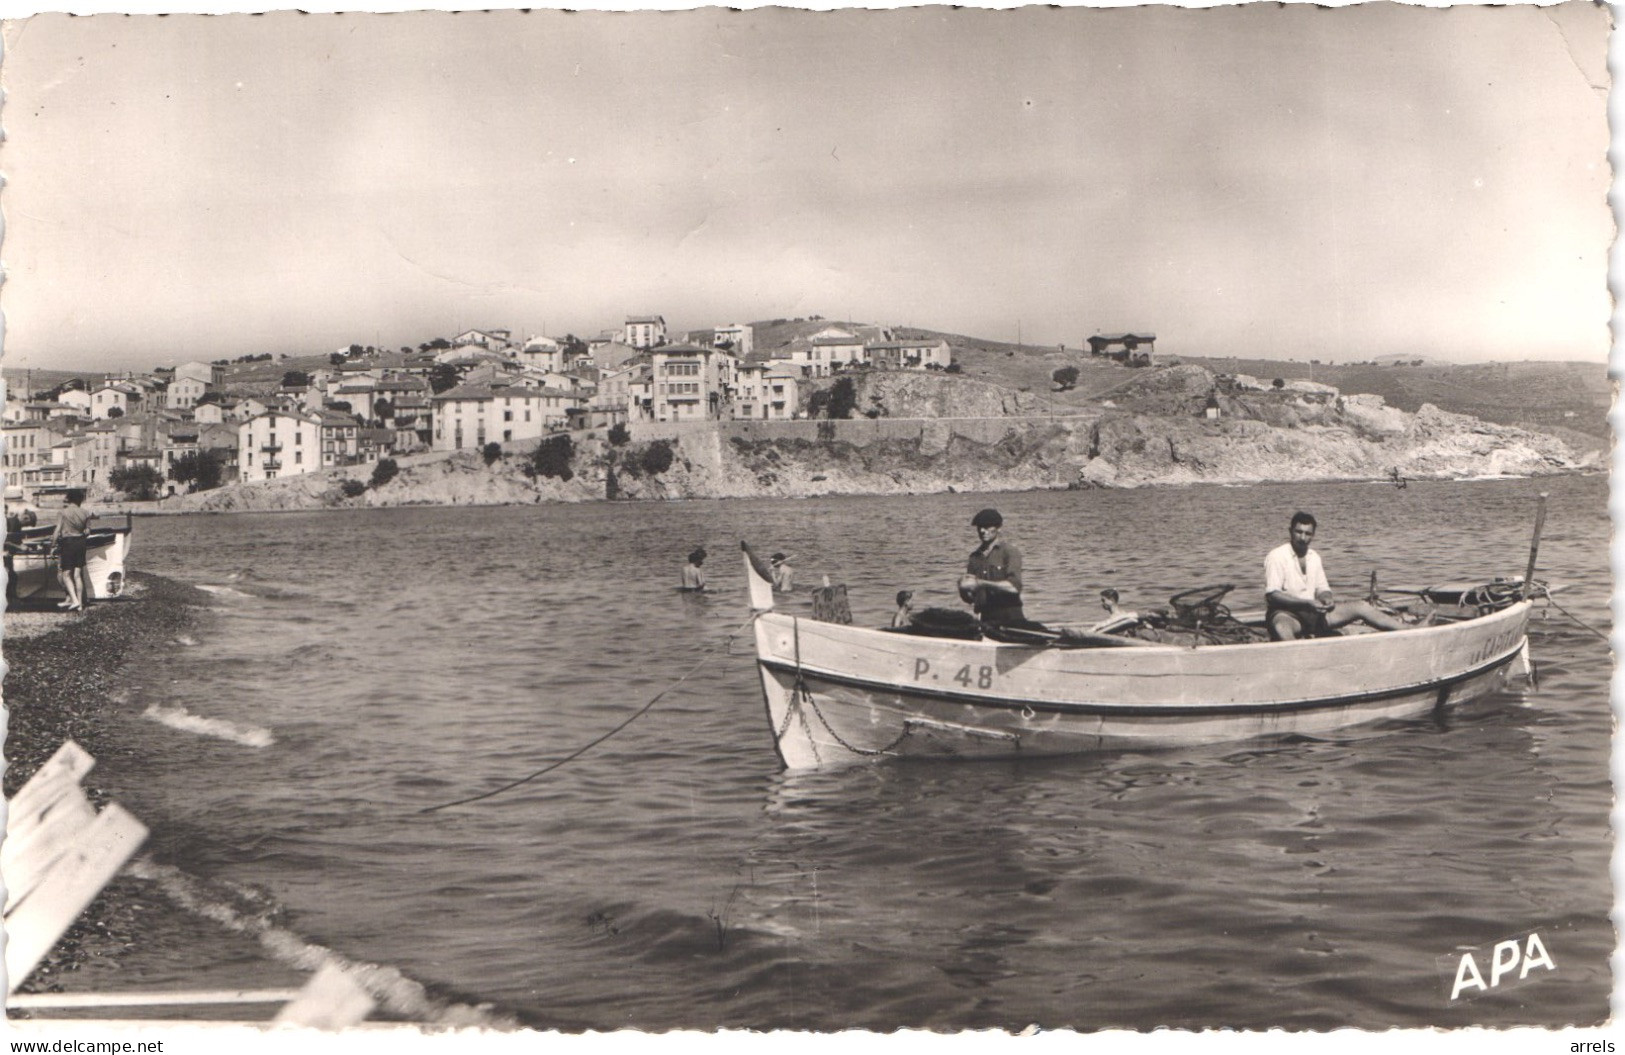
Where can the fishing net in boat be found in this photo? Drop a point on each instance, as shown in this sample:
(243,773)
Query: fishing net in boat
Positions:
(945,622)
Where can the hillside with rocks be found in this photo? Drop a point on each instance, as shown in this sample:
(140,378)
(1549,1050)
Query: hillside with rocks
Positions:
(957,434)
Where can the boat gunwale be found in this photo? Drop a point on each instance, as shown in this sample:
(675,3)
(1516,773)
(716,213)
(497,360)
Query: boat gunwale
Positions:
(1162,648)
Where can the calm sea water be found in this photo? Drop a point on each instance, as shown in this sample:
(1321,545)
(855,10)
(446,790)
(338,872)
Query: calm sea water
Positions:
(356,667)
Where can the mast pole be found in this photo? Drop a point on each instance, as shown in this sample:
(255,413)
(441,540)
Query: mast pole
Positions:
(1534,545)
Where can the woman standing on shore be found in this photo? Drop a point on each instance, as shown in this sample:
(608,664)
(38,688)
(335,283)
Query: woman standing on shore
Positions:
(71,526)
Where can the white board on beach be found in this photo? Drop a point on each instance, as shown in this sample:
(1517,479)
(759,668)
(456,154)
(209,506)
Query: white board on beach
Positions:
(59,855)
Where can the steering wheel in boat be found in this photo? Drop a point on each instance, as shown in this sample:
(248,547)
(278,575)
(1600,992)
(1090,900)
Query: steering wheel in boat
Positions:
(1201,596)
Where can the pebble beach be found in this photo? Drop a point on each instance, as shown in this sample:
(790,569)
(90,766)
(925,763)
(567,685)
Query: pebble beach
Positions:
(62,681)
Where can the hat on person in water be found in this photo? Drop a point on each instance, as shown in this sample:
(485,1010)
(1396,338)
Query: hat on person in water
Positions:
(779,558)
(987,518)
(697,556)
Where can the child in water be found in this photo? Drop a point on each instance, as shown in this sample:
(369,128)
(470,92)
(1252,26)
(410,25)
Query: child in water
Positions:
(784,577)
(693,574)
(905,611)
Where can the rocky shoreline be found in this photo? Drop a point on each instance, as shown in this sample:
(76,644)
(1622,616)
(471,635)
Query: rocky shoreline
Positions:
(924,434)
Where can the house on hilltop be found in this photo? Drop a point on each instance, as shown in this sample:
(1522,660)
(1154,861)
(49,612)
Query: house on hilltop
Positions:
(184,392)
(909,355)
(493,340)
(210,374)
(1131,349)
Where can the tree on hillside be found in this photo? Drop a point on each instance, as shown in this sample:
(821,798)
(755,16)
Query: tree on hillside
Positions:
(552,458)
(442,377)
(295,379)
(843,398)
(199,470)
(383,410)
(619,434)
(356,349)
(141,483)
(656,458)
(491,452)
(115,412)
(383,472)
(1066,377)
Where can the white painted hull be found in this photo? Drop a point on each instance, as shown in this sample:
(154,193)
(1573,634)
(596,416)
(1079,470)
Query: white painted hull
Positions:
(840,694)
(104,564)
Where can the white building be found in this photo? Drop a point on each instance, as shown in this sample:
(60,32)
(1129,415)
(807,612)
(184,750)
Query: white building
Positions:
(113,395)
(764,392)
(495,340)
(644,331)
(823,356)
(691,383)
(470,416)
(909,355)
(184,392)
(77,398)
(736,337)
(543,353)
(289,442)
(208,373)
(278,443)
(210,413)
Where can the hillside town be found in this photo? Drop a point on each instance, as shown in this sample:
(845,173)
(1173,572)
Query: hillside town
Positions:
(199,424)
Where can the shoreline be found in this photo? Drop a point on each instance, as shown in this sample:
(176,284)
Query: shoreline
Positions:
(141,510)
(156,926)
(63,673)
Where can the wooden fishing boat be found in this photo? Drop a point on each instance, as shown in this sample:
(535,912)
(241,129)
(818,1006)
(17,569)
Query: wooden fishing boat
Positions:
(840,693)
(106,547)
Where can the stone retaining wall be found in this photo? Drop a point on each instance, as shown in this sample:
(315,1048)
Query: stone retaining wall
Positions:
(860,432)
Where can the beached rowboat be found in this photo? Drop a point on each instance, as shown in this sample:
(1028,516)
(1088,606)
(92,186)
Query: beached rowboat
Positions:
(106,548)
(839,694)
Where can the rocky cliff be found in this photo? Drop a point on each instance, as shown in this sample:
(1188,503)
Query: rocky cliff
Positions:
(947,433)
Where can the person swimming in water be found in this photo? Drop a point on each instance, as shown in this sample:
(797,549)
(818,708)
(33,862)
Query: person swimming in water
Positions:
(693,572)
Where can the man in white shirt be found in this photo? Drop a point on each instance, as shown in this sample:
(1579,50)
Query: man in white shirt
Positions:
(1299,600)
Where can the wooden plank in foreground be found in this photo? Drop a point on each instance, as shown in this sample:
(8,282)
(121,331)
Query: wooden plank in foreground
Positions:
(179,998)
(330,1000)
(69,884)
(66,768)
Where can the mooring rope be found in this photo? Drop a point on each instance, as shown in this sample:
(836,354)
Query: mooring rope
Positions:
(1577,620)
(583,749)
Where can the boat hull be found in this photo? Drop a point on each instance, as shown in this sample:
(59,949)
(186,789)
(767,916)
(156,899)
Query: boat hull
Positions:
(842,694)
(105,553)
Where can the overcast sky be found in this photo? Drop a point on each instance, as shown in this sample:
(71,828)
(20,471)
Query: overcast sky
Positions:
(1284,182)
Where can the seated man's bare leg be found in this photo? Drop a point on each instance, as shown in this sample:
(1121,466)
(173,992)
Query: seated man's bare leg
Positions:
(1365,612)
(1285,627)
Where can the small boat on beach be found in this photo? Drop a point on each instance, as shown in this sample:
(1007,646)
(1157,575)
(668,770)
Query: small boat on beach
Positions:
(106,548)
(839,694)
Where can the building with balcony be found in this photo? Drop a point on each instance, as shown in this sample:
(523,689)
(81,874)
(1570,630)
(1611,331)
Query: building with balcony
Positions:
(690,383)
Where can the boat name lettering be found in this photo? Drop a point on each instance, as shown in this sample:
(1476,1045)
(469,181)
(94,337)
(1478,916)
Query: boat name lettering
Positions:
(1495,646)
(968,676)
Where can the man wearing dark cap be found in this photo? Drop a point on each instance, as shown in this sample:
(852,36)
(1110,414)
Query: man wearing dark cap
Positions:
(992,580)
